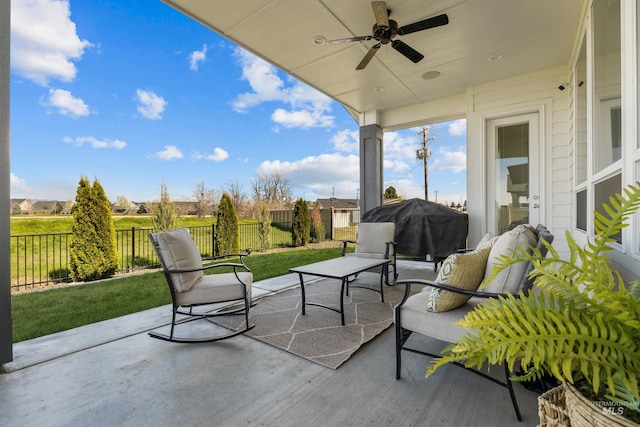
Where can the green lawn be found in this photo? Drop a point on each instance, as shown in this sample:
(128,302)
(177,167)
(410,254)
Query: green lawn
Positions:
(42,313)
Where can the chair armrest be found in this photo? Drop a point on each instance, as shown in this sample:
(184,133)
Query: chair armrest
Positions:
(226,264)
(207,267)
(445,287)
(464,251)
(238,255)
(407,289)
(235,265)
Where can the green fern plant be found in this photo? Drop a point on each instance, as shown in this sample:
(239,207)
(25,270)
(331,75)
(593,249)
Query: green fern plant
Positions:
(584,322)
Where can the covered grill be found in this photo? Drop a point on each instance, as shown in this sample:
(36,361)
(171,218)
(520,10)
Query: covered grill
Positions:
(423,228)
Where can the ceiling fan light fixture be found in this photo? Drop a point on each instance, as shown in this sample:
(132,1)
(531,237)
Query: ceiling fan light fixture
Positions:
(319,40)
(430,75)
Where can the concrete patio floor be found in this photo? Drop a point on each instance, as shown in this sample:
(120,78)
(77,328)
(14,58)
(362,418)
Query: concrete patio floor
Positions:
(113,374)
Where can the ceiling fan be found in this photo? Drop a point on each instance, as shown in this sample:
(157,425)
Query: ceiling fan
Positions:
(385,30)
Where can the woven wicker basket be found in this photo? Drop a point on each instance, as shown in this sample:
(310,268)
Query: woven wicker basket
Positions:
(584,413)
(552,409)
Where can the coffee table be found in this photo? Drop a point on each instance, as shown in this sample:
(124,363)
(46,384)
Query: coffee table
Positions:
(339,268)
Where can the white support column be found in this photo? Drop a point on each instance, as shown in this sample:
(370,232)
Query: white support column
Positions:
(6,325)
(371,179)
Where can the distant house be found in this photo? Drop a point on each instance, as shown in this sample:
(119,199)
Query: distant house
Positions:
(21,206)
(183,208)
(44,206)
(344,212)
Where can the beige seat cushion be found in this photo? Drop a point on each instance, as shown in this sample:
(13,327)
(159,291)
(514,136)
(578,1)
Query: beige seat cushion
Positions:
(179,252)
(463,271)
(437,325)
(217,288)
(509,279)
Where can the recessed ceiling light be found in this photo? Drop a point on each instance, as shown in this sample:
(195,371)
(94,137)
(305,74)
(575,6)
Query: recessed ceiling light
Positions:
(430,75)
(496,57)
(318,40)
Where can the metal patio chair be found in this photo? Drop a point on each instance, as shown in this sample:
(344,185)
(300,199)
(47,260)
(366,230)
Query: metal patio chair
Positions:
(376,240)
(190,288)
(419,313)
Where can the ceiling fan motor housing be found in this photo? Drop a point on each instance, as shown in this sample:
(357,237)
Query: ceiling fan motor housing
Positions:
(385,34)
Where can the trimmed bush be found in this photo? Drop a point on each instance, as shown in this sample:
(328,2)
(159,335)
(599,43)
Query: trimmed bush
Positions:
(264,227)
(105,230)
(92,250)
(227,236)
(318,232)
(301,224)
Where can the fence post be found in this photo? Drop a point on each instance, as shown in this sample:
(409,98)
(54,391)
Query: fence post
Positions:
(331,223)
(133,248)
(213,240)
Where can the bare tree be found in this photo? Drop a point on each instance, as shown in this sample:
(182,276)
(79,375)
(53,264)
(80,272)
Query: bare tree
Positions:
(123,205)
(205,200)
(238,197)
(273,190)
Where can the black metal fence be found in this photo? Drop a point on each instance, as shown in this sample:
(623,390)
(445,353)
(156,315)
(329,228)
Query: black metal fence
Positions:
(41,259)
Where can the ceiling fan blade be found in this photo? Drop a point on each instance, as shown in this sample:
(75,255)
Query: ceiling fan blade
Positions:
(425,24)
(350,39)
(411,54)
(381,13)
(368,56)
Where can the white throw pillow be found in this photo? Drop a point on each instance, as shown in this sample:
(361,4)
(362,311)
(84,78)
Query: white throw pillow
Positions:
(509,279)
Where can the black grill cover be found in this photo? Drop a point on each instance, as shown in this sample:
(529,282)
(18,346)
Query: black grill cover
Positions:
(423,227)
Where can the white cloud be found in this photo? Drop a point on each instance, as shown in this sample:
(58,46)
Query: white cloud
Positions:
(346,140)
(219,155)
(324,175)
(66,104)
(79,141)
(44,41)
(305,119)
(452,161)
(396,165)
(197,57)
(400,150)
(150,105)
(458,127)
(170,152)
(18,185)
(307,107)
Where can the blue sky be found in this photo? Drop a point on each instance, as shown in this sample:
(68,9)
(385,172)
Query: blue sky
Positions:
(133,93)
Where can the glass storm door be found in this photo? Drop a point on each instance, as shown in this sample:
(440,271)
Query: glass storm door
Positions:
(513,178)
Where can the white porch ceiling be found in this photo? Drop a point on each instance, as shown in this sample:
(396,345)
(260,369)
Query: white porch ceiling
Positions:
(530,35)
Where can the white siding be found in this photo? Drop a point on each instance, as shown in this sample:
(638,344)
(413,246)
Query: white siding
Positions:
(535,92)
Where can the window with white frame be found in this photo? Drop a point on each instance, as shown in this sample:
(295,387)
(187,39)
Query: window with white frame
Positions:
(598,130)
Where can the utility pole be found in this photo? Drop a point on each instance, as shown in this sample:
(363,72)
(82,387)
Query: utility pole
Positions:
(423,154)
